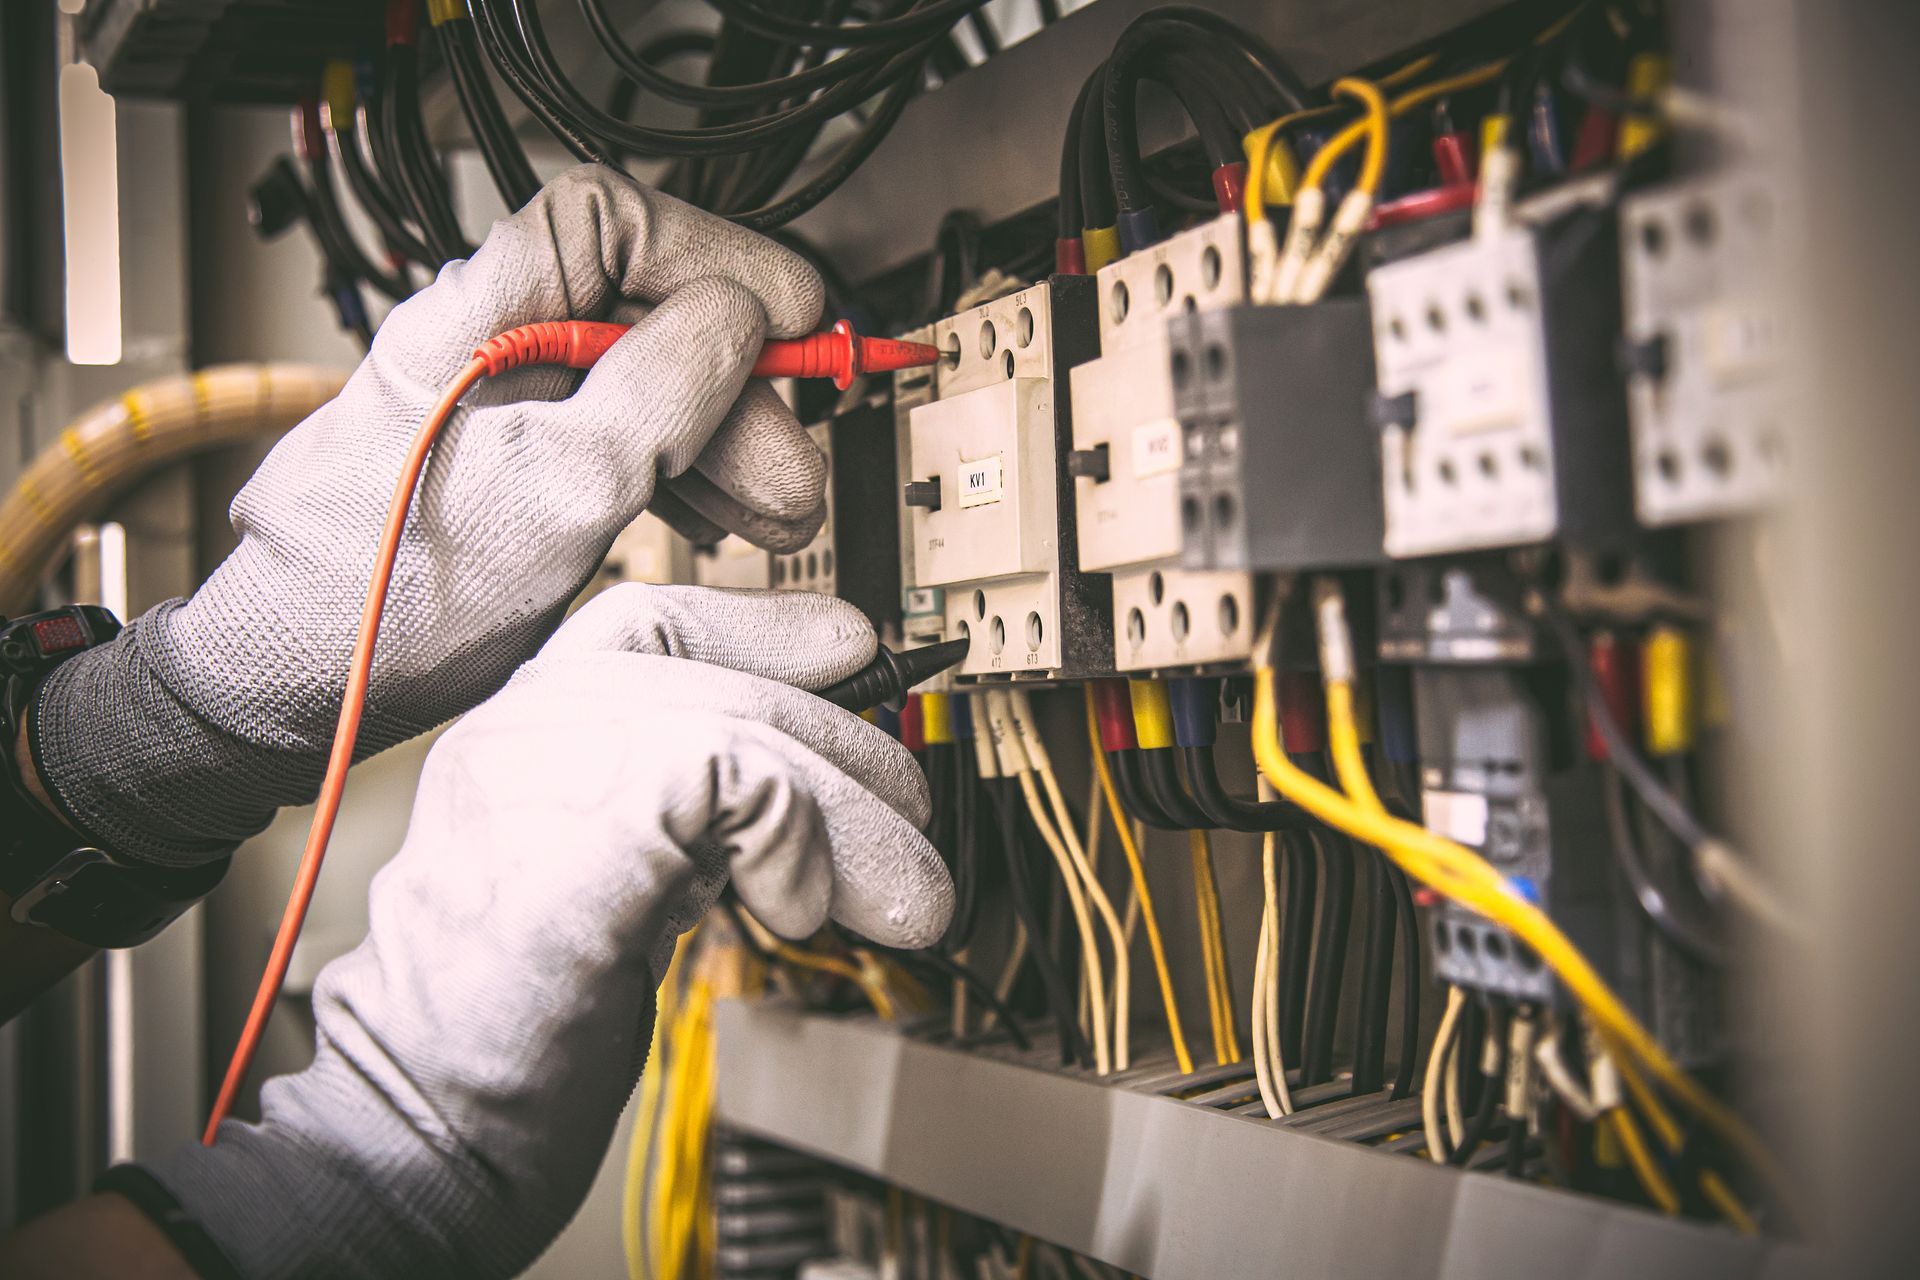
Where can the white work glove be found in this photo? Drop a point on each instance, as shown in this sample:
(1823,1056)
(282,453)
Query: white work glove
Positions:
(475,1051)
(180,739)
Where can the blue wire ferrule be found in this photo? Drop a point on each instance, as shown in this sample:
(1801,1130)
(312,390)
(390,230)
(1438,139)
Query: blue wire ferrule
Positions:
(1194,701)
(1138,229)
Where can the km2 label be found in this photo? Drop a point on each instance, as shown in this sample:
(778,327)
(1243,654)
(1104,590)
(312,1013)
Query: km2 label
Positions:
(980,482)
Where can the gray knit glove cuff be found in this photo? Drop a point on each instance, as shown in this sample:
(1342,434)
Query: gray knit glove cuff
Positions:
(180,739)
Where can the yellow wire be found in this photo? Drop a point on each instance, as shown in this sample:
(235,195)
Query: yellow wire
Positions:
(1336,147)
(1137,869)
(1082,919)
(646,1123)
(1721,1197)
(1372,126)
(1463,875)
(1206,888)
(1645,1167)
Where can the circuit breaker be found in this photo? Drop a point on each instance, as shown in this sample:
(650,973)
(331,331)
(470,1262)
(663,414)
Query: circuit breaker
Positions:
(987,504)
(1127,450)
(856,554)
(1500,407)
(1704,339)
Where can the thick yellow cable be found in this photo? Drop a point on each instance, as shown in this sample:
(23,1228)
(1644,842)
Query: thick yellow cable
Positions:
(1142,894)
(1463,875)
(1640,1159)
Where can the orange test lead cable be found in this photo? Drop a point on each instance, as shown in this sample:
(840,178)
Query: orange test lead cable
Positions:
(839,354)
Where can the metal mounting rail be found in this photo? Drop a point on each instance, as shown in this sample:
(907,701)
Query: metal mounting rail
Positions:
(1173,1187)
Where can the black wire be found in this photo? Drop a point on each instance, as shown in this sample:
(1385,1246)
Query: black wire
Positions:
(420,180)
(851,157)
(1694,937)
(1069,208)
(1096,181)
(919,20)
(1376,980)
(505,158)
(1491,1091)
(966,878)
(495,40)
(1049,12)
(1020,889)
(1329,957)
(1124,764)
(1673,814)
(638,69)
(1296,940)
(369,192)
(337,239)
(1229,811)
(719,139)
(980,987)
(1410,985)
(1163,786)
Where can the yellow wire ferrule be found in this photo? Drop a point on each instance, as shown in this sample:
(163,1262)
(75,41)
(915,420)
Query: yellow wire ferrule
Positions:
(1101,245)
(440,12)
(1666,681)
(936,718)
(336,92)
(1152,714)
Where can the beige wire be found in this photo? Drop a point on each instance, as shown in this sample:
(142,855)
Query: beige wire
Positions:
(112,446)
(1096,893)
(1270,1068)
(1014,762)
(1437,1059)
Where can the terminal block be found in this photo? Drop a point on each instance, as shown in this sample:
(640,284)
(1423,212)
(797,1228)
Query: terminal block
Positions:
(856,554)
(1280,471)
(1127,449)
(987,503)
(1500,410)
(1704,338)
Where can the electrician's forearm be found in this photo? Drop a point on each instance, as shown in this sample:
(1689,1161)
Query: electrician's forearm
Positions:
(102,1236)
(31,958)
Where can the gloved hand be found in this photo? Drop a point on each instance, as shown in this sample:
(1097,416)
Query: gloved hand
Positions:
(475,1051)
(180,739)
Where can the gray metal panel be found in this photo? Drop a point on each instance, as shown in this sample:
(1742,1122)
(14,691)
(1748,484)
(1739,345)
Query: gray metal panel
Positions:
(990,140)
(1167,1189)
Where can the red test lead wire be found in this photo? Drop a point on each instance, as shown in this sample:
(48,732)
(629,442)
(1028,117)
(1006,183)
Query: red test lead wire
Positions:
(840,354)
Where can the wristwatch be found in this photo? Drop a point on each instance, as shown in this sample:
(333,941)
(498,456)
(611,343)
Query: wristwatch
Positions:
(53,873)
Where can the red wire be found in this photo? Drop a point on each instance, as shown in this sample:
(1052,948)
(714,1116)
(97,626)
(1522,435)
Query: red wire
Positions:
(327,807)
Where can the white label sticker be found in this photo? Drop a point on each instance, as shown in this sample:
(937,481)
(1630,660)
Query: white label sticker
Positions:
(1482,390)
(980,482)
(1457,815)
(1156,448)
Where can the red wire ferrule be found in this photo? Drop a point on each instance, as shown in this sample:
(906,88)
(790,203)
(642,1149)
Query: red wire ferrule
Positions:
(403,22)
(1069,257)
(1303,722)
(1113,708)
(1229,185)
(913,724)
